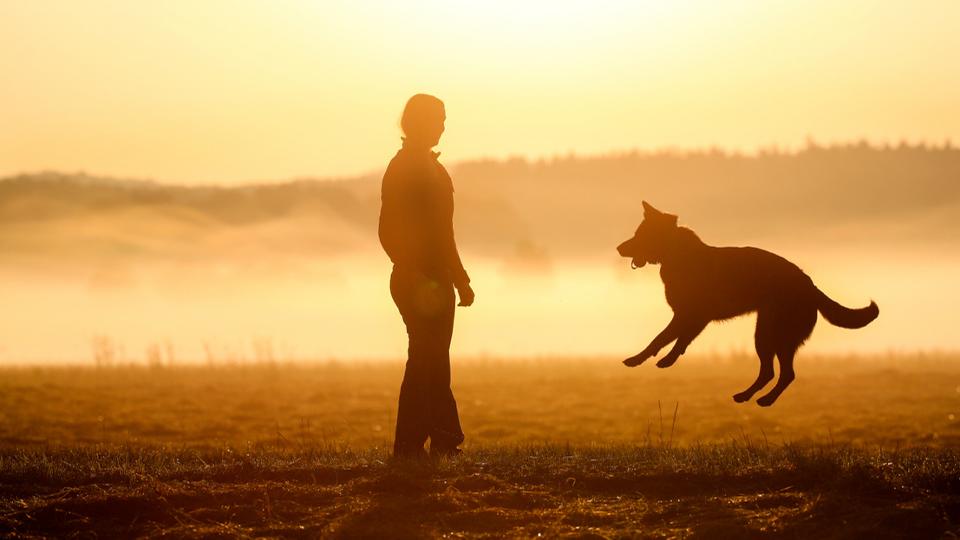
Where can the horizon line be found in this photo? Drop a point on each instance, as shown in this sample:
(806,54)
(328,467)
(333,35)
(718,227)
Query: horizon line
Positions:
(760,151)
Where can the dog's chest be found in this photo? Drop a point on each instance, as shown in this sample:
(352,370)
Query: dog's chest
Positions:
(679,286)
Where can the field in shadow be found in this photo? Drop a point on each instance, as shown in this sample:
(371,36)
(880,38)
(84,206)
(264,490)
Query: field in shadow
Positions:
(708,491)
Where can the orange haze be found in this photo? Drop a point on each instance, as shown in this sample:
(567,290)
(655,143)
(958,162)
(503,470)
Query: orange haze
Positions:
(224,91)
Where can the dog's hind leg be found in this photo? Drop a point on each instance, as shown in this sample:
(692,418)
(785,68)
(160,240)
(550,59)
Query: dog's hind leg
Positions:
(689,329)
(764,338)
(786,377)
(793,331)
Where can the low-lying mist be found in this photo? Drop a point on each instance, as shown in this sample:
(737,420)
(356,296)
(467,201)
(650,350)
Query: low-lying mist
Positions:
(340,308)
(123,271)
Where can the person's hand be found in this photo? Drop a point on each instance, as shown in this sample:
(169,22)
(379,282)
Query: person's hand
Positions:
(466,295)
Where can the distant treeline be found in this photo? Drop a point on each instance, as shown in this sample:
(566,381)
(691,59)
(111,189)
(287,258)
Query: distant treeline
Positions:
(570,206)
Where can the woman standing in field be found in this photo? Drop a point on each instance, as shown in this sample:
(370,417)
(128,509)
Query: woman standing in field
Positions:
(416,231)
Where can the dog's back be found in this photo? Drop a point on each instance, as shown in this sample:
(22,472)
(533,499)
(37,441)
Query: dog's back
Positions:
(724,282)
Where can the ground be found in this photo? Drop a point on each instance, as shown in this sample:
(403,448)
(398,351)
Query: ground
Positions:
(579,448)
(717,491)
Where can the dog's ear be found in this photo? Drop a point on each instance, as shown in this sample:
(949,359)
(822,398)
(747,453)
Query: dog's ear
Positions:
(649,212)
(652,214)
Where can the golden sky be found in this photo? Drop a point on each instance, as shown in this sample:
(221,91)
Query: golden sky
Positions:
(228,90)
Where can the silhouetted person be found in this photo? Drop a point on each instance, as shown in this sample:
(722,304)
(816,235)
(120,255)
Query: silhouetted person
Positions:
(416,231)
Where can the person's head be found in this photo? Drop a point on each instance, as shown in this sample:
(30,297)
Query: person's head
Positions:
(422,120)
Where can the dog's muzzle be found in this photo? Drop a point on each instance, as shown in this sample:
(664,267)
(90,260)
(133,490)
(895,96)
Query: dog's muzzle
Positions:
(634,265)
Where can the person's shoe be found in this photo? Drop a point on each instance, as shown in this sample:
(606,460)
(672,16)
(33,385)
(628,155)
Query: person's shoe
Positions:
(445,452)
(410,454)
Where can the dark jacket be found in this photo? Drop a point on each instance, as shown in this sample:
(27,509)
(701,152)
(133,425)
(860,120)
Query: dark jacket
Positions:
(416,217)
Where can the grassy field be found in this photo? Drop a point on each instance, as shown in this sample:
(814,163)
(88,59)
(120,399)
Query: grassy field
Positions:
(857,447)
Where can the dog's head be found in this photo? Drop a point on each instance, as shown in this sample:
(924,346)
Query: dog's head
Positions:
(649,242)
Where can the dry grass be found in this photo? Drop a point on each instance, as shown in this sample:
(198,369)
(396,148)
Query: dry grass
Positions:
(904,400)
(715,491)
(856,448)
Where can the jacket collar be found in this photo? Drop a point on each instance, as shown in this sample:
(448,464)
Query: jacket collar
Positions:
(407,147)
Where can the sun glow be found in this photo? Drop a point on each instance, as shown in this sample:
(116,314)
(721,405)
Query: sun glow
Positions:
(226,92)
(542,32)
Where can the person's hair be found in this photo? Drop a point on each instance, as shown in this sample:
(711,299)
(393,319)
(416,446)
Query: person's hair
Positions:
(418,107)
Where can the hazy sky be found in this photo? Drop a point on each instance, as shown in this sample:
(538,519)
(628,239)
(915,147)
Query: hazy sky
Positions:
(227,90)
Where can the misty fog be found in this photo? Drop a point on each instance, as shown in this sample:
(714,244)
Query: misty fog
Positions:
(132,271)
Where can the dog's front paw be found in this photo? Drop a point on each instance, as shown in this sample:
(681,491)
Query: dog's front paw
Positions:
(741,397)
(667,361)
(636,359)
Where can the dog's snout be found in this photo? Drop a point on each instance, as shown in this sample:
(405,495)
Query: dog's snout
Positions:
(622,248)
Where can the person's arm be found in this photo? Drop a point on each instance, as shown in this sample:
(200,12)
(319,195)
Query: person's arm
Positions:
(451,255)
(460,278)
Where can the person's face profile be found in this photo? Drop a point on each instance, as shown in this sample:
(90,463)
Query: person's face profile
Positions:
(435,126)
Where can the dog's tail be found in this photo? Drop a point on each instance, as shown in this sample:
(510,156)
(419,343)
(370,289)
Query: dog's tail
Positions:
(842,316)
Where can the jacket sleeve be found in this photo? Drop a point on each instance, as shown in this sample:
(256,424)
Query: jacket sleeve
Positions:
(452,259)
(448,243)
